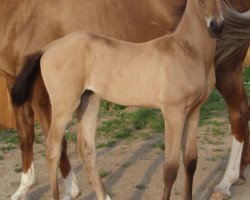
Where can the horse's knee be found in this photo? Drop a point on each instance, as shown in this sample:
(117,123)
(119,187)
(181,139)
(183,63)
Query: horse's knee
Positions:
(245,110)
(170,173)
(85,150)
(26,140)
(190,166)
(239,126)
(53,151)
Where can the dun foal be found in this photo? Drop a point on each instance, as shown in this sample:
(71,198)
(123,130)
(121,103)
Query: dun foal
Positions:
(174,73)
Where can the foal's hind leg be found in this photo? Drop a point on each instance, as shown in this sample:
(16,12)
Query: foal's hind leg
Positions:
(230,84)
(41,106)
(87,116)
(174,123)
(62,111)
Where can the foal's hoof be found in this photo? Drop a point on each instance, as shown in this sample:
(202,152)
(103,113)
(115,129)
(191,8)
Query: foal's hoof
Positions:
(219,196)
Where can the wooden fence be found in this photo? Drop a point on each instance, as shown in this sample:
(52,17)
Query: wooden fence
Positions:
(6,112)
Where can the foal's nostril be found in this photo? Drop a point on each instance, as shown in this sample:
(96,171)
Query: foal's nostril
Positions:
(213,26)
(217,27)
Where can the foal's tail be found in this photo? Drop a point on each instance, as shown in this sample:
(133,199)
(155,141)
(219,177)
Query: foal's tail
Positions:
(22,89)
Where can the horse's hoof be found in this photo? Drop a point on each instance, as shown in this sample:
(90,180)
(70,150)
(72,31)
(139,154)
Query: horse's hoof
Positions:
(241,181)
(72,196)
(219,196)
(20,194)
(16,197)
(72,190)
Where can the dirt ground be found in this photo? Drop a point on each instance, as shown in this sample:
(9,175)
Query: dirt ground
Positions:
(132,169)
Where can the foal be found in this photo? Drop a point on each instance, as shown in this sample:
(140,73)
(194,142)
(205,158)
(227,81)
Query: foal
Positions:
(173,73)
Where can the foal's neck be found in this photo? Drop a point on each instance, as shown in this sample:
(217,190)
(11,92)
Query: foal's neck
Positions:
(193,27)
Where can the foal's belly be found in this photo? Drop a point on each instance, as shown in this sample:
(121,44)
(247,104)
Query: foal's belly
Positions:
(127,87)
(123,93)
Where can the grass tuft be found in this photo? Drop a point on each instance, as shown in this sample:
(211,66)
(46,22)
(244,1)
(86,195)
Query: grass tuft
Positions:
(104,173)
(125,133)
(159,145)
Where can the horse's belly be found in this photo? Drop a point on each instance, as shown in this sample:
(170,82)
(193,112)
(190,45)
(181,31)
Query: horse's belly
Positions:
(128,94)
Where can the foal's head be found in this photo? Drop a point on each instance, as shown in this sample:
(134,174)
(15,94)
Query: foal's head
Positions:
(211,10)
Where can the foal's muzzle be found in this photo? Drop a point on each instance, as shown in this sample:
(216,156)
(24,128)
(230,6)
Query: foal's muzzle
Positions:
(216,27)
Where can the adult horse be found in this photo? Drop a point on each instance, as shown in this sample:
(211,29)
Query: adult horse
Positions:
(31,25)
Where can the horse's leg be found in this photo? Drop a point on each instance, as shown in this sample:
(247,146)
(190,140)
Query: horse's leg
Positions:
(42,109)
(174,124)
(25,128)
(230,84)
(87,116)
(190,153)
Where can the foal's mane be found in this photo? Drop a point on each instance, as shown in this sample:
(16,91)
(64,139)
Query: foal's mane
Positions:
(236,35)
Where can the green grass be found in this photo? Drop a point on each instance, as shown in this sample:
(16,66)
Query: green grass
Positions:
(217,131)
(104,173)
(17,168)
(38,139)
(126,164)
(9,136)
(212,142)
(159,145)
(125,133)
(101,145)
(111,143)
(71,136)
(7,148)
(214,107)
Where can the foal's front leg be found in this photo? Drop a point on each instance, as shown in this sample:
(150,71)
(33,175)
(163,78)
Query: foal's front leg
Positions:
(190,153)
(174,124)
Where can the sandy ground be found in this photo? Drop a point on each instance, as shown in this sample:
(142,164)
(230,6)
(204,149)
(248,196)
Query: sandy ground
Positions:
(134,170)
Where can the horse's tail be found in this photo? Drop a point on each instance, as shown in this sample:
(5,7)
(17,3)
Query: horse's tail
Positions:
(22,89)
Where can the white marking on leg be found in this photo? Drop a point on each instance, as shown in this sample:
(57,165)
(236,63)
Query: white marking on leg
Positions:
(108,198)
(233,169)
(71,187)
(27,181)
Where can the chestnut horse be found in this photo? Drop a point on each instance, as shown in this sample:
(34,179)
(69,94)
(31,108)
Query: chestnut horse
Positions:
(174,73)
(129,22)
